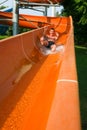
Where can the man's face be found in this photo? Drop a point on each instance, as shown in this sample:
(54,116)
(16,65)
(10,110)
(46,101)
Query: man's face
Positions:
(51,31)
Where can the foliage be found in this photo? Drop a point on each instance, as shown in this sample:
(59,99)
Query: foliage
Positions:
(78,10)
(9,32)
(22,29)
(2,7)
(81,62)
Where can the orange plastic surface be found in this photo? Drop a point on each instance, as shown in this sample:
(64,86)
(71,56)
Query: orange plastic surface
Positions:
(39,92)
(30,21)
(43,1)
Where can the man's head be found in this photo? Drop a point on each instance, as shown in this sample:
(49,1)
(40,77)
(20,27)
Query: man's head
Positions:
(52,31)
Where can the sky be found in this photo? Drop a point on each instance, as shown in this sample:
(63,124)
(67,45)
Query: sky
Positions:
(9,4)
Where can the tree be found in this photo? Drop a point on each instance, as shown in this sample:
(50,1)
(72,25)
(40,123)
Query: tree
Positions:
(2,7)
(78,10)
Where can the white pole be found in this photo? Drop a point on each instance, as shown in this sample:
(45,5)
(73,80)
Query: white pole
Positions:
(53,9)
(15,17)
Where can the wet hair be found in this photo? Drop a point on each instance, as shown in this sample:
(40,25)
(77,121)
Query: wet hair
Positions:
(52,29)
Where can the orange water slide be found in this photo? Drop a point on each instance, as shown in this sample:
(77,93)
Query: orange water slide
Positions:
(30,21)
(43,1)
(39,91)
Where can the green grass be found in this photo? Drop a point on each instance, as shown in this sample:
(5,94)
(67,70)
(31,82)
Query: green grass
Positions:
(81,61)
(3,37)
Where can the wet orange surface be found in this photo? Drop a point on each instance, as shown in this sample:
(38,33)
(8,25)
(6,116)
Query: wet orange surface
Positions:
(37,91)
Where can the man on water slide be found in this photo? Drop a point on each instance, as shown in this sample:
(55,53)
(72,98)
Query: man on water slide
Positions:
(49,40)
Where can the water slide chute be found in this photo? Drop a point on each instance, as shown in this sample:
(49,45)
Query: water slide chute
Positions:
(4,28)
(42,1)
(39,91)
(30,21)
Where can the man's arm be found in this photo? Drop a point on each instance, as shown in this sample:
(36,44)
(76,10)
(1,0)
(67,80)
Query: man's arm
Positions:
(57,36)
(43,41)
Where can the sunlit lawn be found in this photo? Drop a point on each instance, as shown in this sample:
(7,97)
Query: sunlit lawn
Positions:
(3,37)
(81,59)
